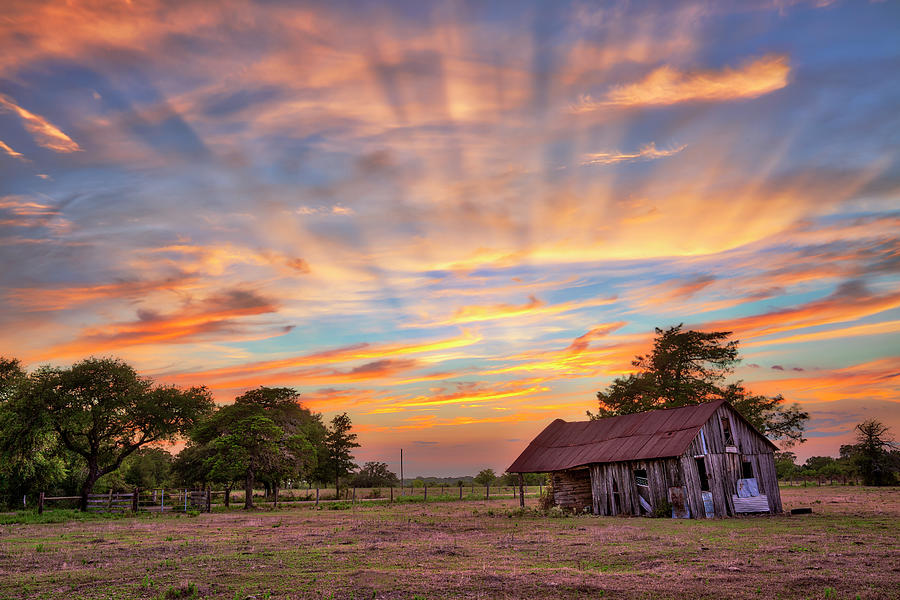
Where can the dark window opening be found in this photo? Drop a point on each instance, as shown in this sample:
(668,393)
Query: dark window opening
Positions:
(701,470)
(726,429)
(640,477)
(747,469)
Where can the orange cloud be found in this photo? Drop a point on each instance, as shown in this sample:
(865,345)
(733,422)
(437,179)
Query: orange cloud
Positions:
(356,352)
(667,85)
(41,299)
(214,316)
(882,328)
(534,307)
(648,152)
(5,147)
(849,302)
(45,133)
(878,379)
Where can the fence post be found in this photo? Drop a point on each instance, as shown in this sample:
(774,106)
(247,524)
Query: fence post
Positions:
(109,500)
(208,500)
(426,492)
(487,491)
(392,493)
(521,490)
(162,500)
(460,492)
(185,501)
(227,497)
(134,500)
(41,504)
(275,492)
(353,500)
(317,496)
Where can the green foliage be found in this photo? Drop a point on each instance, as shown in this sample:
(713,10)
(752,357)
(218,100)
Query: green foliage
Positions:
(147,468)
(662,510)
(339,443)
(266,434)
(98,410)
(485,477)
(373,475)
(875,454)
(689,367)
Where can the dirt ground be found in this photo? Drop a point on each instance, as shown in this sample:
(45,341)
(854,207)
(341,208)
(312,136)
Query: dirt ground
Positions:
(848,548)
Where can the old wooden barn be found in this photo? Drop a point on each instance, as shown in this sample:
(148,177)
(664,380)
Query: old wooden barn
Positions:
(704,461)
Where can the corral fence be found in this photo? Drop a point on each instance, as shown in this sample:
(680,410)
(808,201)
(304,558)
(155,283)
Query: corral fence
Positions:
(203,500)
(156,500)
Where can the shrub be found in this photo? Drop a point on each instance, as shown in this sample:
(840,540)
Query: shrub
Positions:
(662,510)
(546,501)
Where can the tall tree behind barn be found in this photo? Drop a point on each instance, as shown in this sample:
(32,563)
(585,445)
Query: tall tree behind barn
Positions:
(704,460)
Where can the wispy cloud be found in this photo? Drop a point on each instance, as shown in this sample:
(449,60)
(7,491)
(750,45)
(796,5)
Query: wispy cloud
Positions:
(45,133)
(648,152)
(5,147)
(668,85)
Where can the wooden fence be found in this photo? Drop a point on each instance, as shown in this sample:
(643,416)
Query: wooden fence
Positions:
(186,500)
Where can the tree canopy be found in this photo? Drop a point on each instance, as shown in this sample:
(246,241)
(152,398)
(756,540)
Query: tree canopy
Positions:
(99,410)
(688,367)
(375,474)
(339,445)
(875,453)
(485,477)
(265,434)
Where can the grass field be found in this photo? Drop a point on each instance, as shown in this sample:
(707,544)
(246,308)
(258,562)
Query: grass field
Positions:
(848,548)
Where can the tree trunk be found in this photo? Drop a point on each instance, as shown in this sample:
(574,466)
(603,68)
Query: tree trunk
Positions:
(88,486)
(248,490)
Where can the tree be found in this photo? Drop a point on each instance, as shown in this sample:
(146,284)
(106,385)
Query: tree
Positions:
(102,411)
(485,477)
(785,465)
(148,468)
(375,474)
(689,367)
(266,433)
(339,443)
(874,453)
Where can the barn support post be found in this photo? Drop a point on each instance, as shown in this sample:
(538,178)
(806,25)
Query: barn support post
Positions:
(521,490)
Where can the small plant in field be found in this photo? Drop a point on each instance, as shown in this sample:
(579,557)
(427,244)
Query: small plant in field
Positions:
(188,592)
(147,583)
(830,592)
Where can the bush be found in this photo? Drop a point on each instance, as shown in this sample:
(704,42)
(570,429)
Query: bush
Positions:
(546,501)
(662,510)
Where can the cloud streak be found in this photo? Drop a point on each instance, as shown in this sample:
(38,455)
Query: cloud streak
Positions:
(668,85)
(45,133)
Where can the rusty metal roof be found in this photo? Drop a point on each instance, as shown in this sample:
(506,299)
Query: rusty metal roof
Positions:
(653,434)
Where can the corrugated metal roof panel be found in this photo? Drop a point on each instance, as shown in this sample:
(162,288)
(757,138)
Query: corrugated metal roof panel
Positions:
(653,434)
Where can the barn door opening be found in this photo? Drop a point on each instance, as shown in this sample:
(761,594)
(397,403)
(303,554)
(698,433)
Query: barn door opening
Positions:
(701,470)
(643,489)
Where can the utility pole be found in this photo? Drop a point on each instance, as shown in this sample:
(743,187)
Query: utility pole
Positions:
(401,471)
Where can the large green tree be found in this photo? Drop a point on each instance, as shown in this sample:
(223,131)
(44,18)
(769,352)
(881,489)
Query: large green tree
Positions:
(102,411)
(688,367)
(265,434)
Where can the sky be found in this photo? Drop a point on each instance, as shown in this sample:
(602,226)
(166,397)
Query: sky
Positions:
(455,221)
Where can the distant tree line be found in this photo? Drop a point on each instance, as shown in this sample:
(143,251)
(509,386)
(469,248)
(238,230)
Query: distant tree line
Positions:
(98,424)
(874,459)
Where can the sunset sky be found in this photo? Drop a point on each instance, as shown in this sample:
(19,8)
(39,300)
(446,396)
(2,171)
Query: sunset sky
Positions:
(455,221)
